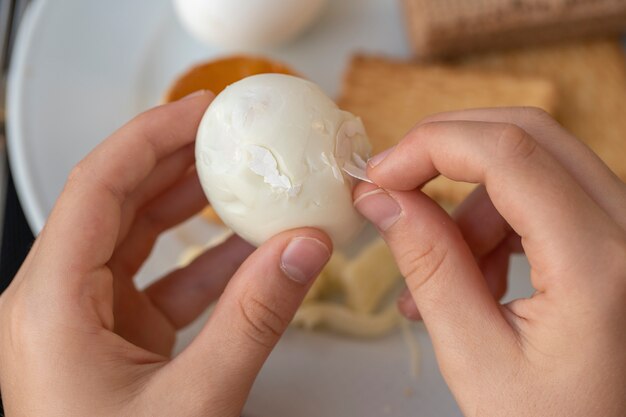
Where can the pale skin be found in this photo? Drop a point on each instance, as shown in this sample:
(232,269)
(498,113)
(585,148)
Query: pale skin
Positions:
(561,352)
(78,338)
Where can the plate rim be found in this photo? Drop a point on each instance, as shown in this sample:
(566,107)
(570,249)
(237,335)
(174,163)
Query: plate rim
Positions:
(16,81)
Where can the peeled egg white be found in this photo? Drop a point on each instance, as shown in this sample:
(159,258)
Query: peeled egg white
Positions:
(247,23)
(269,153)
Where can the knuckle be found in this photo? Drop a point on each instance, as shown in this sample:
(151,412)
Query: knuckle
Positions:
(515,143)
(83,175)
(261,323)
(418,267)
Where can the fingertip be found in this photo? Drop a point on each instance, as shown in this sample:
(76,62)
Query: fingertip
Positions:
(193,95)
(303,259)
(297,254)
(319,235)
(197,94)
(380,157)
(379,168)
(407,307)
(361,189)
(285,237)
(379,207)
(200,99)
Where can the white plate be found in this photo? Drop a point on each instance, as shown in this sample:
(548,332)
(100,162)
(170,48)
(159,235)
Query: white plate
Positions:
(83,67)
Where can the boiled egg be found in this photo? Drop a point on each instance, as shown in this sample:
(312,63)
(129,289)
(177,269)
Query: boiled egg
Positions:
(246,24)
(272,152)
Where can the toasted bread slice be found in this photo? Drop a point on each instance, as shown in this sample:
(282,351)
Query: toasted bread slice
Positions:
(439,28)
(591,80)
(391,96)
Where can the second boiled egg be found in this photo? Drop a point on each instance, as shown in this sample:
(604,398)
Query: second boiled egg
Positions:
(245,24)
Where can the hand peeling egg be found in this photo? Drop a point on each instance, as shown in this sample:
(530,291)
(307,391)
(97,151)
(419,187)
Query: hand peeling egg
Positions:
(247,23)
(271,154)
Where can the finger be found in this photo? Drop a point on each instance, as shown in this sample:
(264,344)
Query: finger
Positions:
(407,307)
(217,370)
(533,192)
(490,238)
(562,145)
(484,230)
(87,214)
(165,174)
(173,207)
(482,226)
(441,274)
(185,293)
(494,267)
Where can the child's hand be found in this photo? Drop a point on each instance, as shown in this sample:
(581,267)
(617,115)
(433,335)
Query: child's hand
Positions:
(77,338)
(562,351)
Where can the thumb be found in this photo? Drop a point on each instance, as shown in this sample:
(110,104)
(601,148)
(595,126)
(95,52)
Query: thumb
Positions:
(215,373)
(441,274)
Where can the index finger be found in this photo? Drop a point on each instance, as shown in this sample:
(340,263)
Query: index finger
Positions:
(532,190)
(85,220)
(561,144)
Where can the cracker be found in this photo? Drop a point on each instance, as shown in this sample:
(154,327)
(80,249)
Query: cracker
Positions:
(590,78)
(450,27)
(392,96)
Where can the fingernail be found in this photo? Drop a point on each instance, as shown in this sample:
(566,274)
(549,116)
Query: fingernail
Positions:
(377,159)
(379,208)
(194,95)
(304,258)
(407,306)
